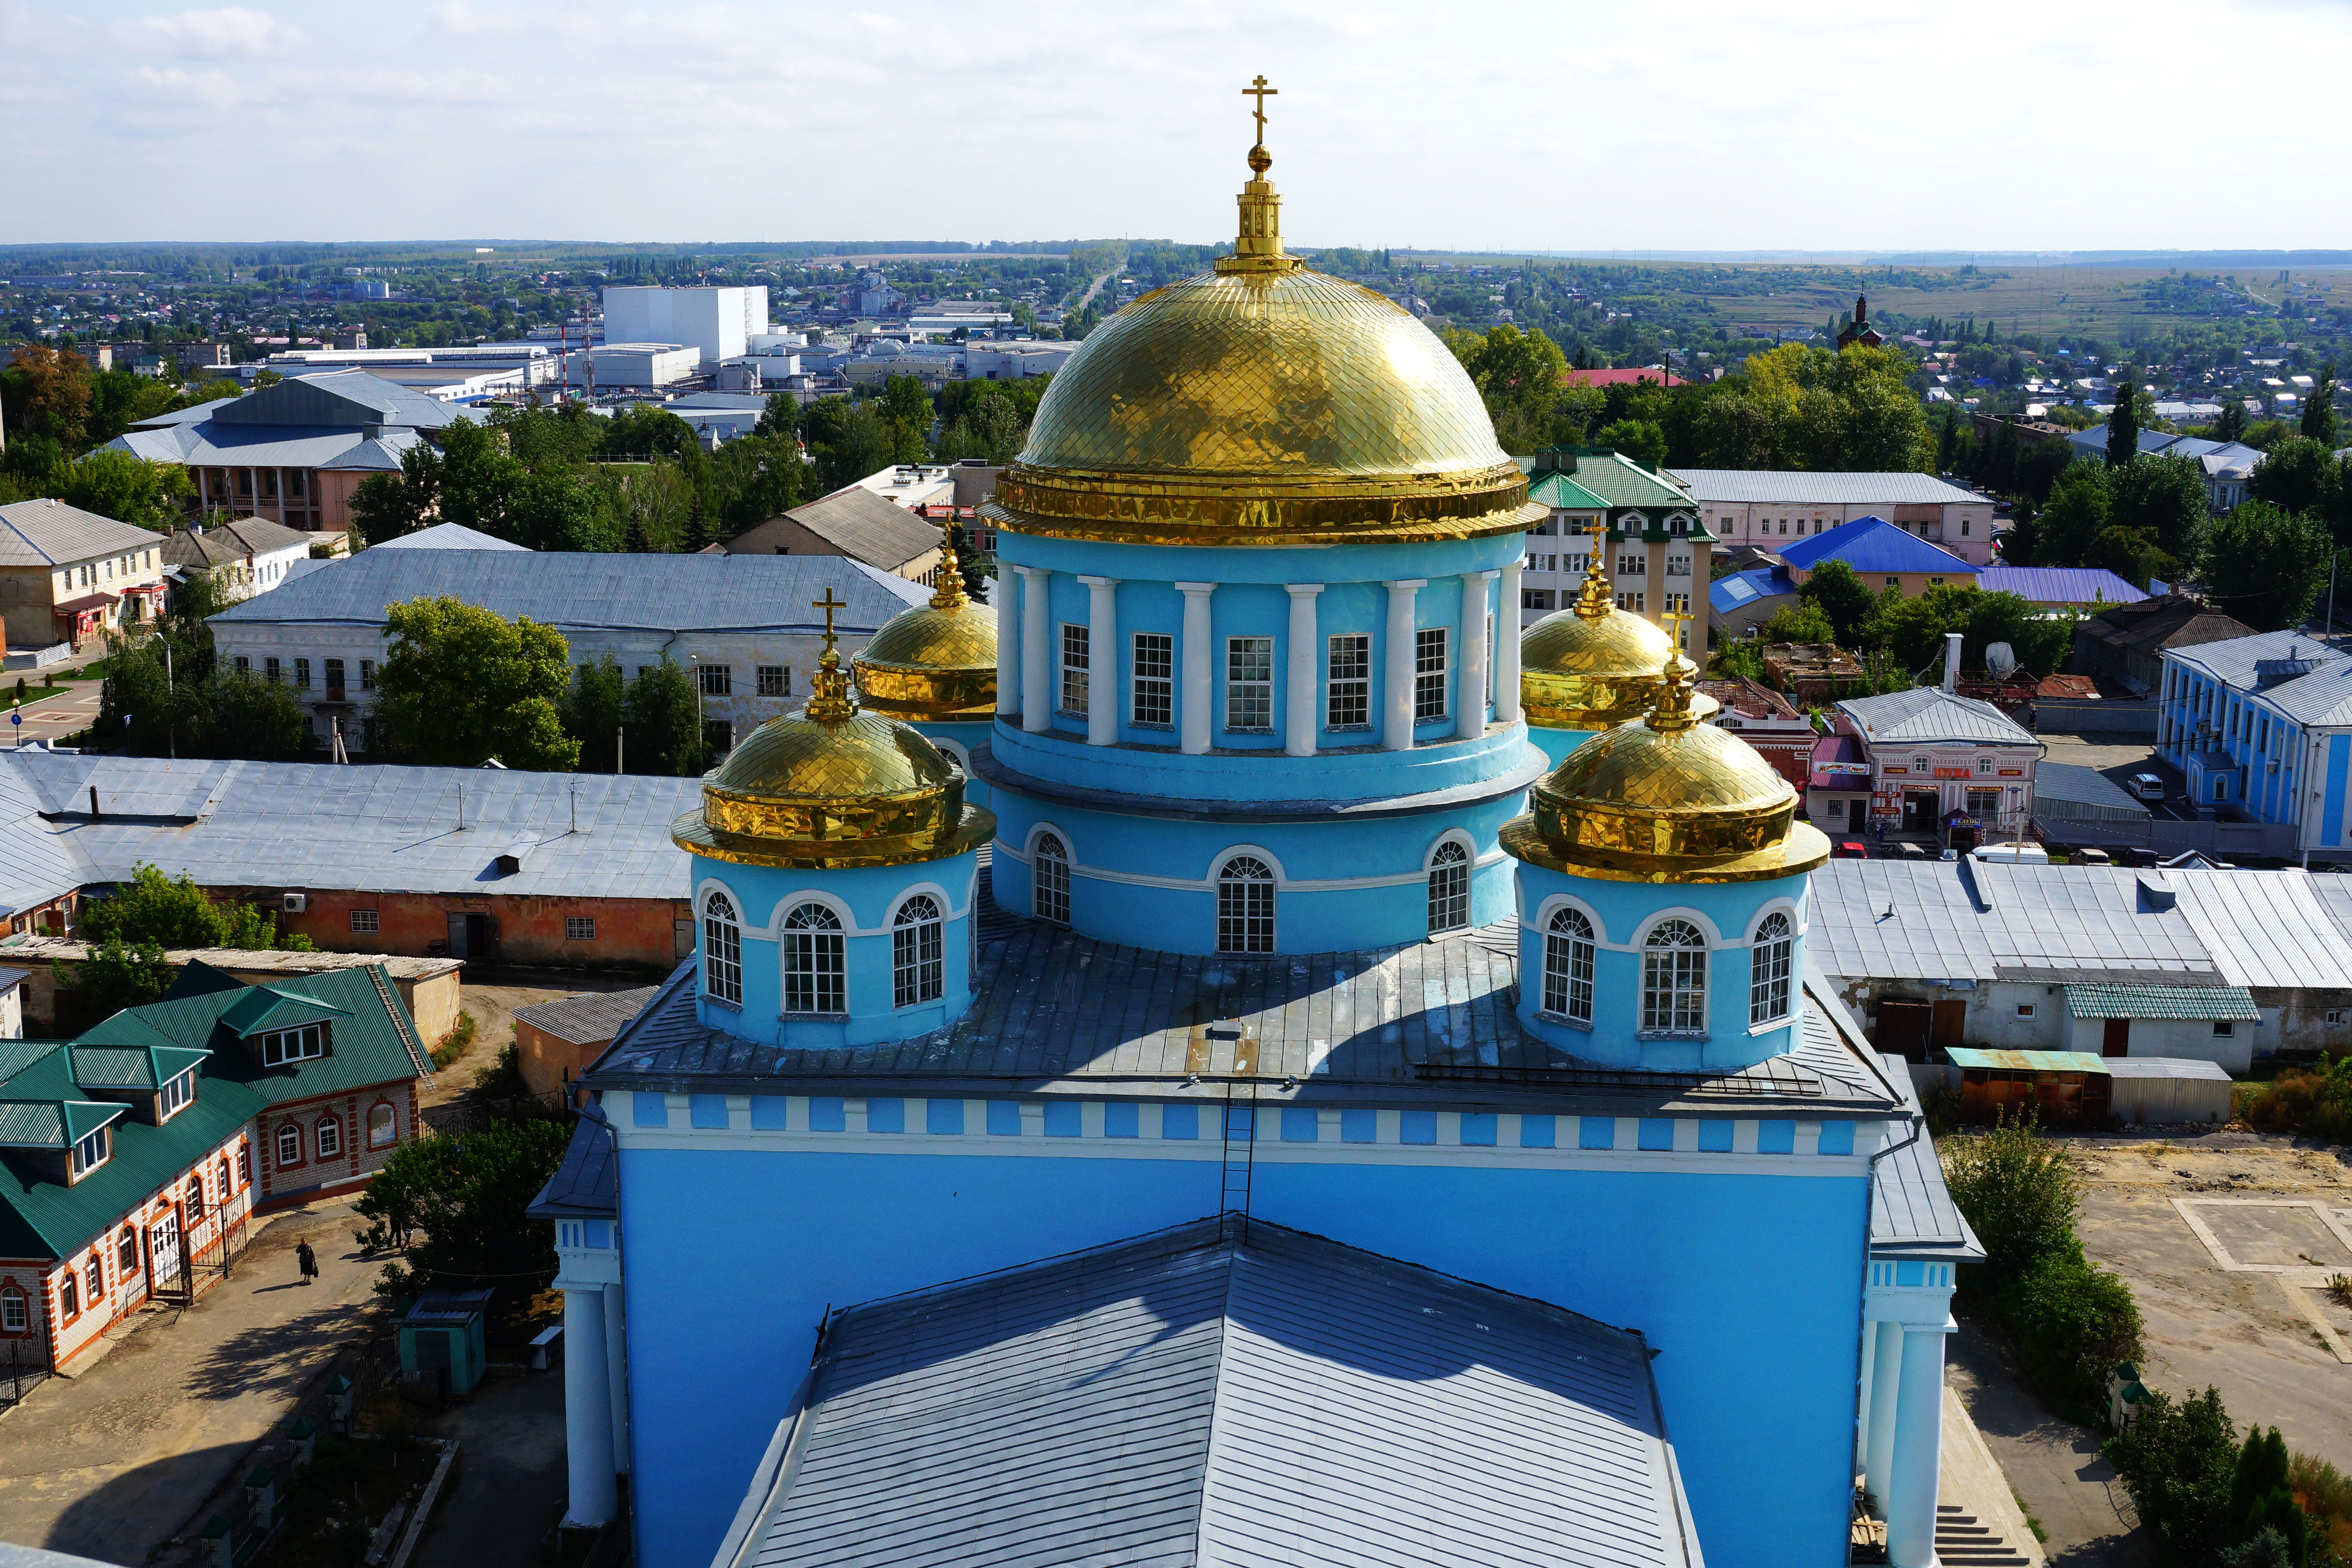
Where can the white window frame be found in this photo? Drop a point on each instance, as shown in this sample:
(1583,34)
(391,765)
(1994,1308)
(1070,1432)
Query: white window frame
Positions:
(1430,670)
(13,1313)
(1673,978)
(366,923)
(1348,681)
(1570,955)
(175,1096)
(1152,686)
(1770,958)
(93,1150)
(285,1132)
(1449,888)
(283,1048)
(1247,905)
(327,1134)
(917,953)
(580,928)
(815,950)
(1249,685)
(1049,879)
(1076,647)
(722,950)
(714,680)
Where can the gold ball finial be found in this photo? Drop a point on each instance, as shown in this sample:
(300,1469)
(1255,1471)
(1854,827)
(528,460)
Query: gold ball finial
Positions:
(1260,160)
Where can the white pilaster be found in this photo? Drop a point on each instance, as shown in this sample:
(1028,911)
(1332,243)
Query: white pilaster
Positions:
(1037,651)
(616,1358)
(1918,1434)
(1300,719)
(1192,706)
(1102,660)
(1470,681)
(1507,647)
(1885,1346)
(1008,646)
(1396,693)
(587,1408)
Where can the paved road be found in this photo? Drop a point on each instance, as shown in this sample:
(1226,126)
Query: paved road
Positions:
(511,1481)
(109,1463)
(2052,1465)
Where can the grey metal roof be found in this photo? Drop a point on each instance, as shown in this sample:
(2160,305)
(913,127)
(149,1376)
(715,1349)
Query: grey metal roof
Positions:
(1737,487)
(2266,929)
(2070,784)
(2232,660)
(2133,1001)
(2164,1066)
(587,1185)
(591,590)
(35,865)
(2322,698)
(366,828)
(1059,1013)
(860,523)
(333,398)
(447,536)
(588,1019)
(1216,1396)
(268,446)
(1912,1214)
(51,533)
(12,978)
(1928,714)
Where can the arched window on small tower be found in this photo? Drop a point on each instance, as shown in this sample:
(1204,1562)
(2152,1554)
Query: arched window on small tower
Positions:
(1673,978)
(1244,905)
(1769,961)
(722,950)
(1449,888)
(816,969)
(1049,880)
(917,967)
(1567,966)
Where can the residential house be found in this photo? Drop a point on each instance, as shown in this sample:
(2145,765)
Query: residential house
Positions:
(2228,466)
(2220,965)
(1937,757)
(1767,721)
(555,1041)
(293,452)
(1738,603)
(862,525)
(138,1151)
(543,869)
(2261,727)
(2127,644)
(1769,508)
(744,624)
(1883,555)
(2089,588)
(1560,548)
(1653,544)
(70,575)
(245,555)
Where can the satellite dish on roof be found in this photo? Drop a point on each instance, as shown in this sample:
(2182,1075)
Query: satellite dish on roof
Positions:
(1999,658)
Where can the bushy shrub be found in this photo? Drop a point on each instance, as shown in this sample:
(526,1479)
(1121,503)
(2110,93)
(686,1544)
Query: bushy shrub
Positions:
(2178,1460)
(2317,1102)
(2072,1323)
(2019,1191)
(2325,1494)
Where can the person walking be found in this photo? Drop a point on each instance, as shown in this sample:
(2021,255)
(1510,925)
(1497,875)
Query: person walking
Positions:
(308,1260)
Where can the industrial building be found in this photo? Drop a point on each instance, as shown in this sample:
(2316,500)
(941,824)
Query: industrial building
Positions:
(717,324)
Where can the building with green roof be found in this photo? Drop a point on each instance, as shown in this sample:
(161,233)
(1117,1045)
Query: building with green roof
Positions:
(140,1150)
(1657,546)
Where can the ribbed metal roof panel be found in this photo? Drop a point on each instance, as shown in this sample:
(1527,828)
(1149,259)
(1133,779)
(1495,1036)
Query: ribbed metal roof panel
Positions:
(2221,1002)
(1874,544)
(1911,1208)
(1925,715)
(1744,486)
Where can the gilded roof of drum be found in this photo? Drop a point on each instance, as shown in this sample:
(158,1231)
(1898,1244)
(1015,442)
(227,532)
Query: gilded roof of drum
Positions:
(1296,373)
(797,759)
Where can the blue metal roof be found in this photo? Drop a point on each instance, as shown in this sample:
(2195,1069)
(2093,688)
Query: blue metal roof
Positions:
(1872,544)
(2059,585)
(1742,589)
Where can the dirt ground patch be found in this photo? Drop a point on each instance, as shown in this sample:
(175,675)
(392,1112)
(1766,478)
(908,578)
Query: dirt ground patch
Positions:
(2242,1330)
(493,996)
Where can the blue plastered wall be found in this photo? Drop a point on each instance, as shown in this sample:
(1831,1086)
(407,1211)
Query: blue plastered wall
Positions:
(1747,1285)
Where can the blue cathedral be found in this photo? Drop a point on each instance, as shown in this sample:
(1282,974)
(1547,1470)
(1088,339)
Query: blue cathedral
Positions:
(1233,1054)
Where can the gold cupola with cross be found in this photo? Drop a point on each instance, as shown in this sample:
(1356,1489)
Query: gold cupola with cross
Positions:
(935,663)
(1668,797)
(1591,666)
(833,786)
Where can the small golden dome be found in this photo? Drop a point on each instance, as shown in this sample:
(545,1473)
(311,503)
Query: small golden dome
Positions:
(1262,404)
(937,661)
(830,786)
(1591,665)
(1669,798)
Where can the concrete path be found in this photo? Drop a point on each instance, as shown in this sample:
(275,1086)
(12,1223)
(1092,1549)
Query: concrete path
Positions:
(2053,1467)
(1971,1482)
(112,1462)
(510,1480)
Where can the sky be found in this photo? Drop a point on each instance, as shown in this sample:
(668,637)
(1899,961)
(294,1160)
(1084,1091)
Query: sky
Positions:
(1570,126)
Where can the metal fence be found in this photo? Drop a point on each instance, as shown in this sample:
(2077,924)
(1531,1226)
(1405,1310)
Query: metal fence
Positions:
(24,1366)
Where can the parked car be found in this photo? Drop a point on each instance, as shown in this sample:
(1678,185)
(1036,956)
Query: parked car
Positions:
(1851,849)
(2092,858)
(2148,786)
(1907,850)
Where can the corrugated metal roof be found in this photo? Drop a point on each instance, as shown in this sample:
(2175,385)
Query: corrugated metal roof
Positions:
(591,590)
(36,865)
(1197,1398)
(2231,661)
(2161,1001)
(1746,487)
(2266,929)
(2059,585)
(2027,1061)
(1927,714)
(333,397)
(2164,1066)
(1618,480)
(590,1018)
(588,1182)
(51,533)
(1562,493)
(1871,544)
(366,828)
(1742,588)
(447,536)
(2322,698)
(1912,1214)
(859,523)
(282,447)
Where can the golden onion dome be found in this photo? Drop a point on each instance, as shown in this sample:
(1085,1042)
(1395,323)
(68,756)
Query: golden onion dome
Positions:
(1668,798)
(1262,404)
(831,786)
(1591,666)
(937,661)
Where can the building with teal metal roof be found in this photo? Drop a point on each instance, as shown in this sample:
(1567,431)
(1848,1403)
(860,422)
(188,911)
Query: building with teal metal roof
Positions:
(1655,547)
(139,1152)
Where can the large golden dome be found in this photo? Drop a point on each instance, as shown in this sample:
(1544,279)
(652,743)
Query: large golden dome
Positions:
(937,661)
(830,786)
(1670,798)
(1591,665)
(1262,404)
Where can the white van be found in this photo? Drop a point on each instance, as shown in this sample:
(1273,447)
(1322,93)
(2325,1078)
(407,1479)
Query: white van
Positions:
(2026,854)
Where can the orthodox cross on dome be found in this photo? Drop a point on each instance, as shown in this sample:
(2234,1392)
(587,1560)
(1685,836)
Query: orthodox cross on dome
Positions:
(831,704)
(1676,632)
(1593,600)
(1259,90)
(948,593)
(1673,707)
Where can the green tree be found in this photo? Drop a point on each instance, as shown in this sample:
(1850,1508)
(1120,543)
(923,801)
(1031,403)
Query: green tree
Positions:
(260,721)
(1522,379)
(2297,474)
(2178,1461)
(756,479)
(46,393)
(991,428)
(593,713)
(663,715)
(126,488)
(152,909)
(2231,425)
(2319,423)
(385,506)
(2122,428)
(780,417)
(2161,496)
(116,975)
(1839,595)
(1637,438)
(2262,1497)
(468,1195)
(2072,1325)
(2020,1192)
(1802,622)
(2080,509)
(908,408)
(640,433)
(2265,565)
(461,685)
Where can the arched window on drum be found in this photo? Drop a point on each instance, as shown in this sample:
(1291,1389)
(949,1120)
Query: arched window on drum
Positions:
(1245,906)
(1449,888)
(1049,879)
(1567,966)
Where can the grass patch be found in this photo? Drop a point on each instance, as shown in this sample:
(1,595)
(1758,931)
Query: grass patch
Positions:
(13,697)
(454,1044)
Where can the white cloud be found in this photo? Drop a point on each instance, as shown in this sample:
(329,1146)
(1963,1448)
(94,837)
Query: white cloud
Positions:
(231,32)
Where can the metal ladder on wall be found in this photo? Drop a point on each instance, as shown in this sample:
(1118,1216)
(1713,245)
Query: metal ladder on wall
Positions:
(1241,1149)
